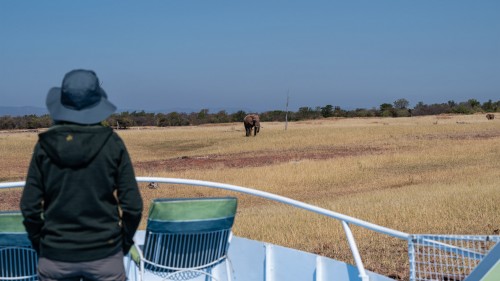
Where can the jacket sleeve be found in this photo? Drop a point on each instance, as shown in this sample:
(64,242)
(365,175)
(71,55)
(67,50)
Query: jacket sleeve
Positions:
(129,198)
(32,199)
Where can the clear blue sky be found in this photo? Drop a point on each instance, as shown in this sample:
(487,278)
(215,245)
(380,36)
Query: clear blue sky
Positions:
(247,55)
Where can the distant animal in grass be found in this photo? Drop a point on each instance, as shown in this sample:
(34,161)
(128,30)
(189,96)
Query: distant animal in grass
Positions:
(252,121)
(490,116)
(153,185)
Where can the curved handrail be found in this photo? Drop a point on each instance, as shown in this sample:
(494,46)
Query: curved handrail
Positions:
(12,184)
(280,199)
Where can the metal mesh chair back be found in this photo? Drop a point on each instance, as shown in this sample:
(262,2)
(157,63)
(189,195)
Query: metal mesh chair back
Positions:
(188,234)
(18,261)
(174,252)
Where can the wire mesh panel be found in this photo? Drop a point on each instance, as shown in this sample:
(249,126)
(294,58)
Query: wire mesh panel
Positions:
(447,257)
(18,263)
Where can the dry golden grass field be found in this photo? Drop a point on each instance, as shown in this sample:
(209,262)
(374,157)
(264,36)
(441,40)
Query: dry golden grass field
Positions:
(433,174)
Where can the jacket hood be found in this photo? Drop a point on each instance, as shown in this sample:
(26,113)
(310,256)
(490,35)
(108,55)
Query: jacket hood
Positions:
(72,145)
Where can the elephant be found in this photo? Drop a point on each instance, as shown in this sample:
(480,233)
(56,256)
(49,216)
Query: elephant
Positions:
(251,121)
(490,116)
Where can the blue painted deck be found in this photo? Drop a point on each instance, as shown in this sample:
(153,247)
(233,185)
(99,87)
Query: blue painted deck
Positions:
(252,260)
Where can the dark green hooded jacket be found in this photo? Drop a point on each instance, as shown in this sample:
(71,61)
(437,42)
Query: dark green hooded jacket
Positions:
(81,201)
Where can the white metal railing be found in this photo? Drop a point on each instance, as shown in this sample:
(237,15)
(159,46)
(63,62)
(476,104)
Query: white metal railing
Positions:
(415,242)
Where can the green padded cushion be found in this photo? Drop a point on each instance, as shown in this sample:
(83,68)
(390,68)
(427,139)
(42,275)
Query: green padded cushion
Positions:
(11,221)
(177,215)
(12,231)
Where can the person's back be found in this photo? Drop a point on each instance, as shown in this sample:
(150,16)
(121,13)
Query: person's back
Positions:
(81,202)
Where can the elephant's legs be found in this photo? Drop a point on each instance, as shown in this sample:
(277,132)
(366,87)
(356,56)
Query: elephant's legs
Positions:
(248,131)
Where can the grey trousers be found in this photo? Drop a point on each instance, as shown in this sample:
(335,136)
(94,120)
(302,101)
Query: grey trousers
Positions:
(107,269)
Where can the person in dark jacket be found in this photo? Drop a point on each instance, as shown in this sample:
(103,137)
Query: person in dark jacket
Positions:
(81,203)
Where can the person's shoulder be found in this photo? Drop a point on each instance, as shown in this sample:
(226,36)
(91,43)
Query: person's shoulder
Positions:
(116,138)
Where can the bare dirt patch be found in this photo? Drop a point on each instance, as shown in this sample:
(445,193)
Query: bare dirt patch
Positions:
(262,158)
(9,199)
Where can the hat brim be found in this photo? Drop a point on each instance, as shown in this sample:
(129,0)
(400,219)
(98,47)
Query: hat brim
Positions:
(93,115)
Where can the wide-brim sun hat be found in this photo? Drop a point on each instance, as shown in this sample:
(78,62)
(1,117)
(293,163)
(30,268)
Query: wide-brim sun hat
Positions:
(80,99)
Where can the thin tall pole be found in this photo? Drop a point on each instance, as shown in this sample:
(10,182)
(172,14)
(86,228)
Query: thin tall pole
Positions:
(286,109)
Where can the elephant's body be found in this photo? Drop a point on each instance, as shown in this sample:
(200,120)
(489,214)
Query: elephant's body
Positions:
(251,121)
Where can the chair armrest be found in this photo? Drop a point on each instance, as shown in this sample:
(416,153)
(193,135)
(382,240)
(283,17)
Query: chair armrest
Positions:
(136,254)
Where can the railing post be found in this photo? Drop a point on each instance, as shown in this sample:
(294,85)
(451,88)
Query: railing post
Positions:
(411,257)
(269,263)
(269,270)
(320,274)
(355,252)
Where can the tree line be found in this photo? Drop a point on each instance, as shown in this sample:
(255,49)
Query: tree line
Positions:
(399,108)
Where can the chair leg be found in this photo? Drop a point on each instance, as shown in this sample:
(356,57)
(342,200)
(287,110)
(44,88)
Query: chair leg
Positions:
(229,269)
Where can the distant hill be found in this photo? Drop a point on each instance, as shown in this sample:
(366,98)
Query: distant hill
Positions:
(22,110)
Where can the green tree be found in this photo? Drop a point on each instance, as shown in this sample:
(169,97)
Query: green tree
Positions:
(221,117)
(175,119)
(238,116)
(386,110)
(7,123)
(327,111)
(462,108)
(402,112)
(488,106)
(124,122)
(362,112)
(306,113)
(474,103)
(276,115)
(401,104)
(203,115)
(339,112)
(386,106)
(142,118)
